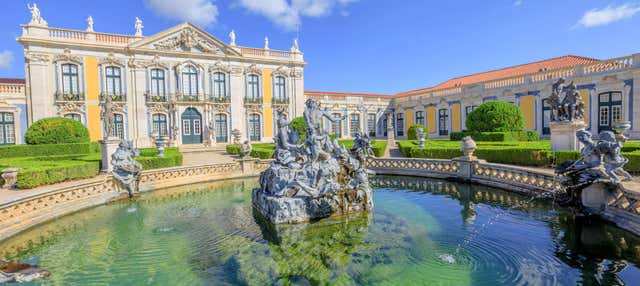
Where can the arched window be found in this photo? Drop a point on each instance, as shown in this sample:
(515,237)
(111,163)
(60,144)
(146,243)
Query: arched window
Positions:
(221,128)
(254,127)
(354,124)
(74,116)
(219,84)
(7,129)
(70,83)
(400,124)
(113,82)
(335,126)
(157,82)
(119,125)
(279,87)
(189,80)
(420,118)
(253,86)
(159,121)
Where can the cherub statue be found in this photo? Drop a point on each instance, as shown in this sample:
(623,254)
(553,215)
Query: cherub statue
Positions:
(613,160)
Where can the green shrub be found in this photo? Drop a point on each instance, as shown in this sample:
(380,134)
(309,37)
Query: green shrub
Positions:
(61,171)
(633,165)
(298,124)
(56,130)
(233,149)
(14,151)
(412,132)
(496,116)
(149,158)
(497,136)
(405,147)
(561,156)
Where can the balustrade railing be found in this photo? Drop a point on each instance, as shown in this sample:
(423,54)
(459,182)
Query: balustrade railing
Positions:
(17,89)
(155,97)
(280,100)
(67,34)
(60,96)
(609,65)
(188,97)
(220,99)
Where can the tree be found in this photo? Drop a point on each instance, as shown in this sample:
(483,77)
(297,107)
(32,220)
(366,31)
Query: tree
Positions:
(412,132)
(56,130)
(496,116)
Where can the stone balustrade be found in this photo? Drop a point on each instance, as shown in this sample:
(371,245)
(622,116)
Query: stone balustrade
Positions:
(13,89)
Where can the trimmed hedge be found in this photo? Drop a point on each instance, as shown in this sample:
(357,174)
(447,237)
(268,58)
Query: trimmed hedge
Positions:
(56,130)
(496,116)
(496,136)
(58,172)
(267,150)
(150,160)
(412,132)
(15,151)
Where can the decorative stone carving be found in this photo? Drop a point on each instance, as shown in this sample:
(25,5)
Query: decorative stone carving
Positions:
(112,60)
(125,168)
(280,71)
(67,57)
(36,18)
(316,178)
(188,39)
(10,177)
(236,136)
(252,69)
(219,67)
(245,149)
(31,57)
(71,107)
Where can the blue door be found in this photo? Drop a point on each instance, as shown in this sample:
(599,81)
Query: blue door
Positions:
(609,110)
(191,126)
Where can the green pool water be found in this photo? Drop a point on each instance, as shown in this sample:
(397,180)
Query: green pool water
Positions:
(421,232)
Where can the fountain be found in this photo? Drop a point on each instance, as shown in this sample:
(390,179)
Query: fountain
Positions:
(316,178)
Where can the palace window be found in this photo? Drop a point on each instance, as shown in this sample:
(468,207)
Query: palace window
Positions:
(157,82)
(119,125)
(469,109)
(420,118)
(443,121)
(335,126)
(219,85)
(189,80)
(159,121)
(253,85)
(254,127)
(354,124)
(371,124)
(7,129)
(113,81)
(400,124)
(279,87)
(609,109)
(70,83)
(221,128)
(74,116)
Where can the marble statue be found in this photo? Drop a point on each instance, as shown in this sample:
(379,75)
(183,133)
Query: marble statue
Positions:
(315,178)
(266,43)
(245,149)
(36,18)
(18,272)
(613,160)
(570,107)
(421,137)
(108,117)
(125,168)
(232,38)
(90,24)
(138,26)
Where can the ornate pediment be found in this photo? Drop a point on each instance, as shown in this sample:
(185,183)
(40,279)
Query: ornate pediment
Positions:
(111,60)
(220,67)
(71,107)
(67,57)
(252,69)
(281,71)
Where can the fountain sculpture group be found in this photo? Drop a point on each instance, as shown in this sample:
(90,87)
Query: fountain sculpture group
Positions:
(315,177)
(567,115)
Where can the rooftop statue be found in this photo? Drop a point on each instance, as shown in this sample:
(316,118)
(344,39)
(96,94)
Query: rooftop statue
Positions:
(125,168)
(315,178)
(36,18)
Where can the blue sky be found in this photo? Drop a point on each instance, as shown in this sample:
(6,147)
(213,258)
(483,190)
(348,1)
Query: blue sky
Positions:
(374,46)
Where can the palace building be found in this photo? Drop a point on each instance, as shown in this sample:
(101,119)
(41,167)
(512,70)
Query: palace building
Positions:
(610,89)
(188,85)
(182,82)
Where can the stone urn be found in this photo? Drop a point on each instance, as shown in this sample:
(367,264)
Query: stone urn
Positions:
(10,177)
(161,143)
(236,136)
(621,127)
(468,146)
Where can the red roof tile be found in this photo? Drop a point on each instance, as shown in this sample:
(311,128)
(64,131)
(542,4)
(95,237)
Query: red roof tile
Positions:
(12,80)
(550,64)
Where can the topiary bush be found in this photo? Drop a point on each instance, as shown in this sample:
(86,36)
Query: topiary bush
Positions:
(412,133)
(496,116)
(298,124)
(56,130)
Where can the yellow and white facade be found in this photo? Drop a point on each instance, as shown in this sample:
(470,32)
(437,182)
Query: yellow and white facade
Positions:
(182,82)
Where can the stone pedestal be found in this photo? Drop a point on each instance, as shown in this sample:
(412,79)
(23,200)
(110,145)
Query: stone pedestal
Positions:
(109,146)
(563,135)
(465,165)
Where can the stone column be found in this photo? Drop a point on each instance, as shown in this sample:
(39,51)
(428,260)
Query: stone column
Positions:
(563,135)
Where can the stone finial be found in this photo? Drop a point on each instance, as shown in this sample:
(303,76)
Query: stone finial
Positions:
(266,43)
(295,47)
(232,38)
(36,18)
(90,24)
(468,146)
(138,26)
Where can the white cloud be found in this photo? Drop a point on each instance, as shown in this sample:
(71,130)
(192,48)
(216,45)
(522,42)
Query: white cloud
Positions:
(6,58)
(288,13)
(199,12)
(609,14)
(518,3)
